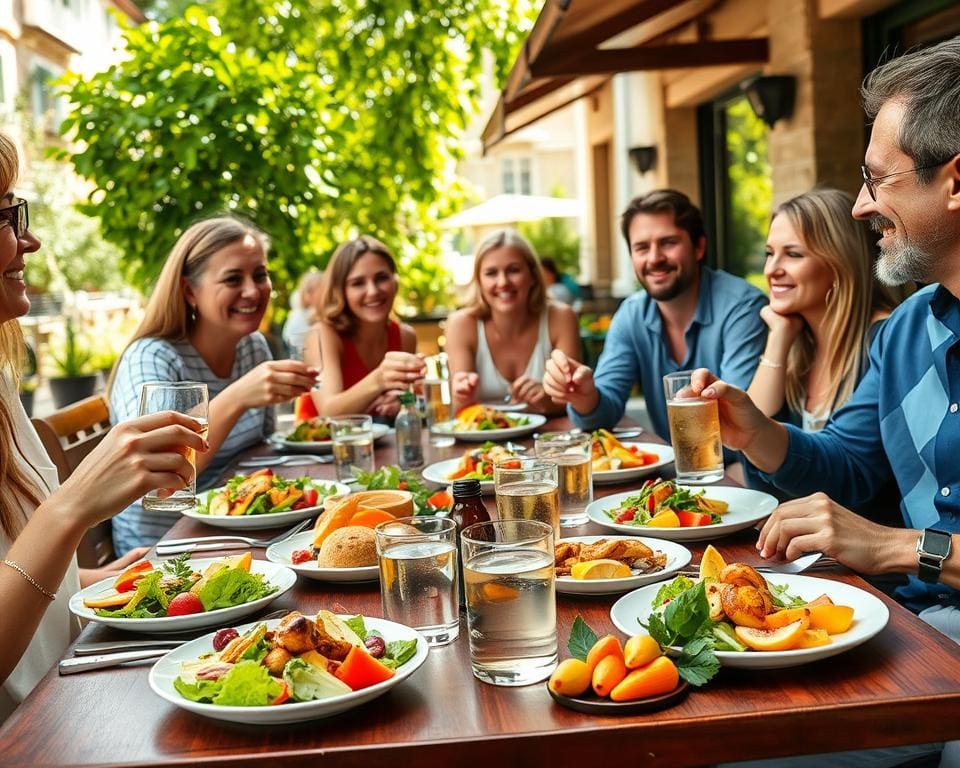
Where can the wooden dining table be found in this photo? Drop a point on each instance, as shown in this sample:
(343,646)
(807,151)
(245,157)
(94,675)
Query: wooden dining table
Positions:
(900,687)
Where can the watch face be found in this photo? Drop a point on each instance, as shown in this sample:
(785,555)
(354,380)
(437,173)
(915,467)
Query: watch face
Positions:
(935,543)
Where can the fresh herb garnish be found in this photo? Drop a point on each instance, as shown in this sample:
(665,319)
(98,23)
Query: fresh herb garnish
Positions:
(391,477)
(582,639)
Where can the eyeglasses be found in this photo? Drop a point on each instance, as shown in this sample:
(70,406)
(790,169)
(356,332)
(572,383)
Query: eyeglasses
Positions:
(17,216)
(871,181)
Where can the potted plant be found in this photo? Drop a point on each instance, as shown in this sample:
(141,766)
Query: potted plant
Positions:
(28,378)
(74,375)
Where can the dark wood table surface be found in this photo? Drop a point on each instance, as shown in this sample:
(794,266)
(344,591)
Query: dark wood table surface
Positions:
(901,687)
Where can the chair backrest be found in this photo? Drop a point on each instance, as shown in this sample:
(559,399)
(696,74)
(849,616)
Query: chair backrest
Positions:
(69,435)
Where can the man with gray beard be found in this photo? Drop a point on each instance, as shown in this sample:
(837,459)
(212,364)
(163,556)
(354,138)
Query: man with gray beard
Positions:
(904,417)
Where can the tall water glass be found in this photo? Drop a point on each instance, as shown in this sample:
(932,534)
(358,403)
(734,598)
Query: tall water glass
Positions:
(572,452)
(352,438)
(436,395)
(419,574)
(527,489)
(301,407)
(511,600)
(189,398)
(694,431)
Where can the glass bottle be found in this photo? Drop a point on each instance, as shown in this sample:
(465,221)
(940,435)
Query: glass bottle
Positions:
(408,428)
(468,508)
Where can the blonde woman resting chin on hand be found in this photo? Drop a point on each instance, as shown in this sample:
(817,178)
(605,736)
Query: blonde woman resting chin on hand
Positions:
(41,524)
(367,357)
(497,346)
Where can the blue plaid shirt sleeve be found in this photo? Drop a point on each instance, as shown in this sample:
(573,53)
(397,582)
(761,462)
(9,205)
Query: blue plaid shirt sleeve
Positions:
(144,360)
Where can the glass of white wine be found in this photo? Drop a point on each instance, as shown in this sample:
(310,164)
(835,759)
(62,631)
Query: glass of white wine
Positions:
(572,452)
(436,395)
(189,398)
(528,489)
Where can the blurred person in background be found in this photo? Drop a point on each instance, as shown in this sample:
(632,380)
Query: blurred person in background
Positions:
(200,324)
(300,317)
(560,286)
(497,347)
(367,357)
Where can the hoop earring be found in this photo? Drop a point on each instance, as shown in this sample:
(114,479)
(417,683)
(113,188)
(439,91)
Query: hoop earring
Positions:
(831,294)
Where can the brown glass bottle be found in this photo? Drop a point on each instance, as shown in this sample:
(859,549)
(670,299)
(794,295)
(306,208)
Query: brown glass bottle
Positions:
(468,508)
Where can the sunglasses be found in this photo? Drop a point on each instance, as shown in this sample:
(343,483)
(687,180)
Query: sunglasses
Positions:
(17,216)
(870,181)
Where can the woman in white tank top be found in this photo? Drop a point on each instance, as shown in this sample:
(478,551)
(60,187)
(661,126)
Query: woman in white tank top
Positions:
(498,345)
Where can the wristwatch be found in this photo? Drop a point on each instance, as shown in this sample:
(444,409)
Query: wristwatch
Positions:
(933,547)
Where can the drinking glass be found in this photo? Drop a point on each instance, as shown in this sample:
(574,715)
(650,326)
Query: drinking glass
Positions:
(187,397)
(419,574)
(527,489)
(572,452)
(352,438)
(694,431)
(436,395)
(508,574)
(294,411)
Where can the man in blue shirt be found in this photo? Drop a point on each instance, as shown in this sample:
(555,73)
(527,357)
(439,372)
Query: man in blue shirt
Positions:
(689,316)
(907,407)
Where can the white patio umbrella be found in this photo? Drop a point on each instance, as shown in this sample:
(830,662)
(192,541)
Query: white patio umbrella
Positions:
(510,209)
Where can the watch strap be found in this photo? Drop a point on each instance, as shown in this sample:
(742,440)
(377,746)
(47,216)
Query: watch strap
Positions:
(930,563)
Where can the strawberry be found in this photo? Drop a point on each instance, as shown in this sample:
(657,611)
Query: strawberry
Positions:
(184,604)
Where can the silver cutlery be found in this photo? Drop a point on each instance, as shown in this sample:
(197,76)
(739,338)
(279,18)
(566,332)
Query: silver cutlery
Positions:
(104,660)
(113,646)
(625,433)
(811,561)
(284,461)
(206,543)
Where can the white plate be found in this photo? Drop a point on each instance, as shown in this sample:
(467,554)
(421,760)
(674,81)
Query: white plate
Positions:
(747,508)
(870,615)
(677,557)
(613,476)
(257,522)
(535,421)
(282,551)
(437,473)
(281,577)
(506,407)
(166,670)
(279,440)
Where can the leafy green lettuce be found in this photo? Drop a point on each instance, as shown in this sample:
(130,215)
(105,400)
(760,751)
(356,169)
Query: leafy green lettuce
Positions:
(233,586)
(247,684)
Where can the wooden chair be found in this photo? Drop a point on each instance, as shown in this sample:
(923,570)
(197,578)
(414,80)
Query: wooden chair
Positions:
(69,435)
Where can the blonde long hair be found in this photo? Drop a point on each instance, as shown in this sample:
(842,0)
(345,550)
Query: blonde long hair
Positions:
(822,220)
(508,238)
(15,486)
(167,315)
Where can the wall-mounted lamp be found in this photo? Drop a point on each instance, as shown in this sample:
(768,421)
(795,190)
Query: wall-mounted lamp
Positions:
(771,97)
(643,158)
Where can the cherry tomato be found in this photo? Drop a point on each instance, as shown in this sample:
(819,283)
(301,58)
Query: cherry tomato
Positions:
(626,516)
(310,496)
(402,485)
(301,556)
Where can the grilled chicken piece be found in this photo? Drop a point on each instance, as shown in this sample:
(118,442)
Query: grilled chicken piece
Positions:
(745,606)
(297,634)
(742,575)
(565,550)
(276,660)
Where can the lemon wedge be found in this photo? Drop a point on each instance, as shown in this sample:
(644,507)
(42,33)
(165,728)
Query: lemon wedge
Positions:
(600,569)
(665,519)
(711,563)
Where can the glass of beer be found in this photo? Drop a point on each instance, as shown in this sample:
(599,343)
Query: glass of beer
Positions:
(527,489)
(508,571)
(694,431)
(352,438)
(572,453)
(187,397)
(418,575)
(436,395)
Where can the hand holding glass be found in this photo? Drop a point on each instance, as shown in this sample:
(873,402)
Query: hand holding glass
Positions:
(694,431)
(189,398)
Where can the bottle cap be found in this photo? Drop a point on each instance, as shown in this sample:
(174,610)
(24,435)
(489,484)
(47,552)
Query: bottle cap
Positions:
(407,397)
(466,487)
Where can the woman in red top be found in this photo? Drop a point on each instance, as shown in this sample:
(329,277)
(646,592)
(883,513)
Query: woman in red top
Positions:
(367,357)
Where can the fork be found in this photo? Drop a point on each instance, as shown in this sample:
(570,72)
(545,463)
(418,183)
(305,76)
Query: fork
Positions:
(205,543)
(811,560)
(279,461)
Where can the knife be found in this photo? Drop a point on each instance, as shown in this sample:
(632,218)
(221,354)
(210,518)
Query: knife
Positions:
(110,646)
(102,661)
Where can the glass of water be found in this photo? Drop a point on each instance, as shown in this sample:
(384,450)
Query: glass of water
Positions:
(436,395)
(187,397)
(352,438)
(508,572)
(572,452)
(419,574)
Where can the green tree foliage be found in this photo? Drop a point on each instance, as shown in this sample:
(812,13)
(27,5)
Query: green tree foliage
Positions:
(750,186)
(556,239)
(317,119)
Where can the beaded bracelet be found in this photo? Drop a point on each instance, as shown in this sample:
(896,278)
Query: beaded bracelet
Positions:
(769,363)
(19,569)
